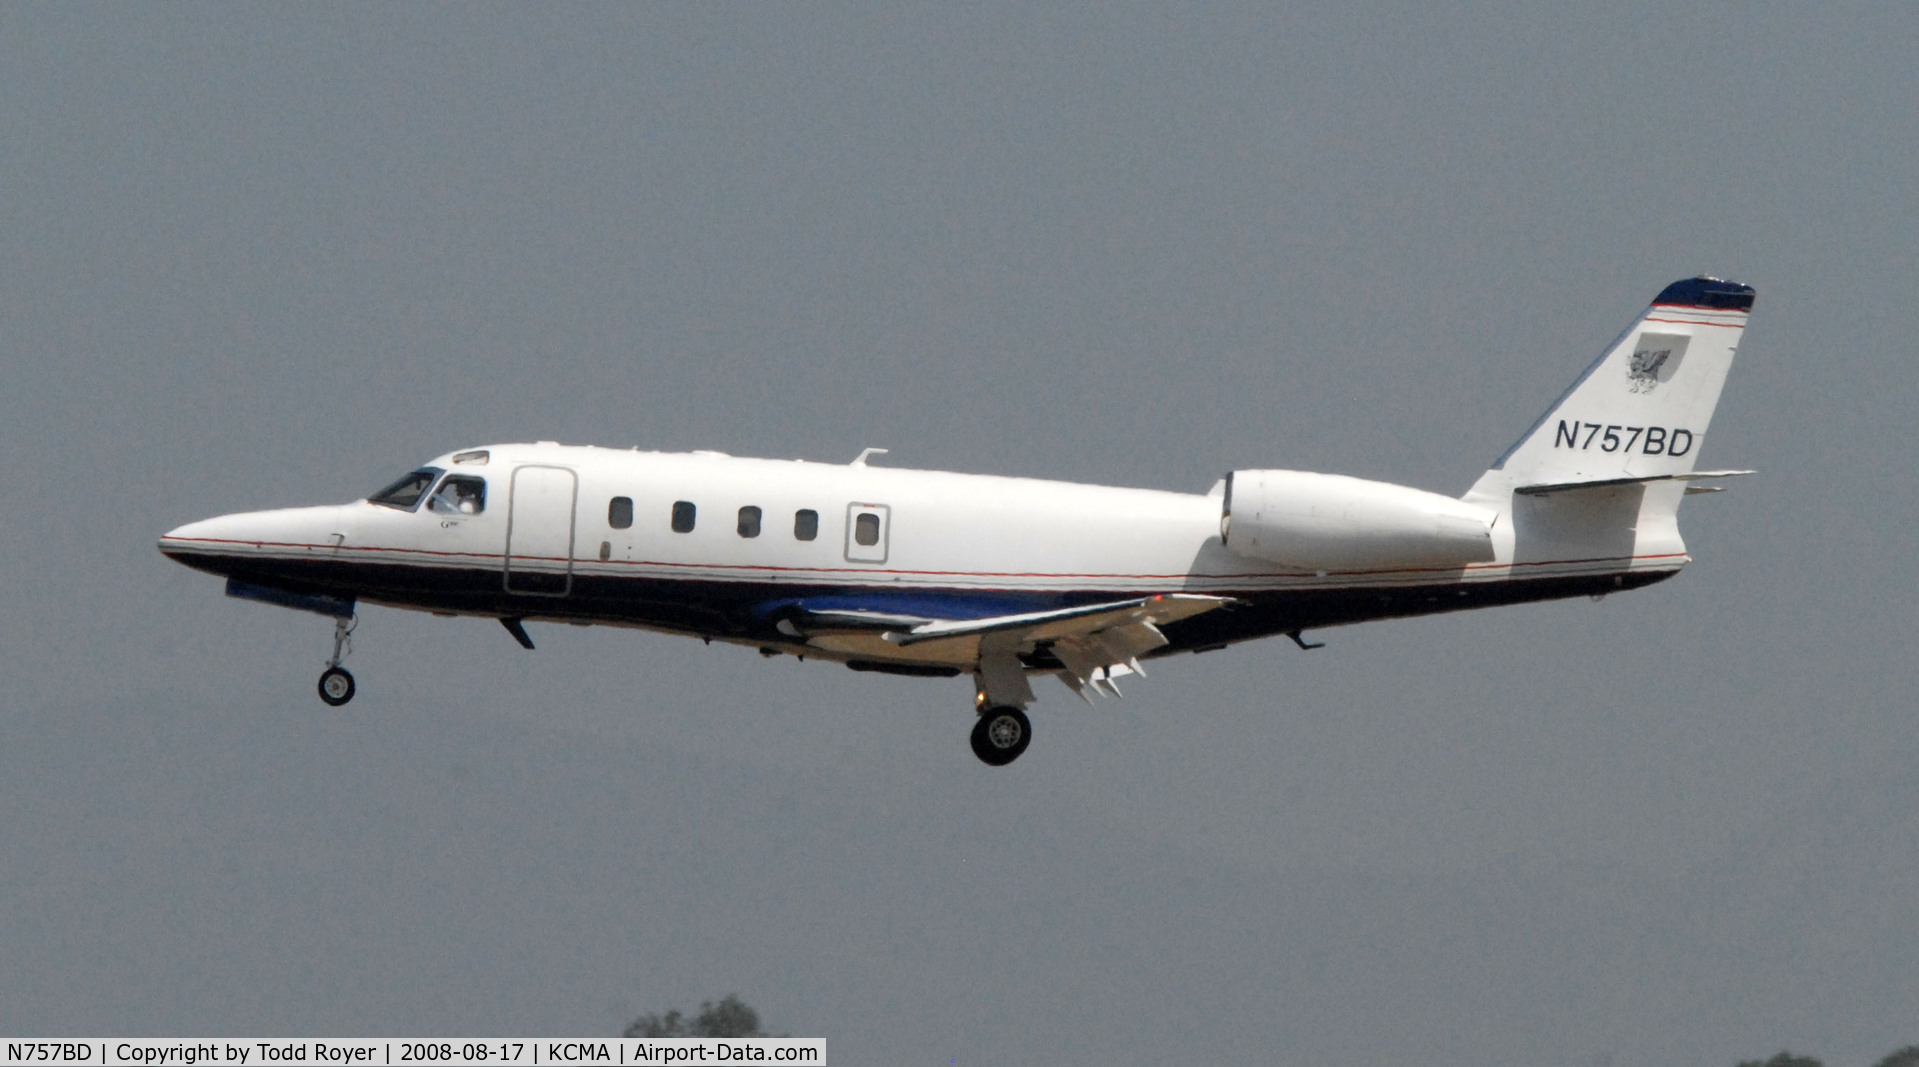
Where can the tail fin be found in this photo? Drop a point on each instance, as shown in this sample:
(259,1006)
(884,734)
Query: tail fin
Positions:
(1616,445)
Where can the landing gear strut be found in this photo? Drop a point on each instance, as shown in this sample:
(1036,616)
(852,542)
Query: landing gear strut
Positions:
(1001,734)
(336,685)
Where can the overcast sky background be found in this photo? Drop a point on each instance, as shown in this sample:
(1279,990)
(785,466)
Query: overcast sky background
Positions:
(263,256)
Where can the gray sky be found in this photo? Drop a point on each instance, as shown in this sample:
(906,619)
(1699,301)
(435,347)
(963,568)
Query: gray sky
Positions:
(263,256)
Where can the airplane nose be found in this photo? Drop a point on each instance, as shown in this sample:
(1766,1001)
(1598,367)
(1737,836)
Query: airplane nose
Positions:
(224,542)
(211,544)
(204,530)
(238,529)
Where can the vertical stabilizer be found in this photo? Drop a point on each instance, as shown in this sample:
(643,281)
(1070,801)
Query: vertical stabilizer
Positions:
(1642,408)
(1634,419)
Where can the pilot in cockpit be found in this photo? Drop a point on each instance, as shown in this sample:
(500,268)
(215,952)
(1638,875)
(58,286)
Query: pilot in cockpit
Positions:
(460,495)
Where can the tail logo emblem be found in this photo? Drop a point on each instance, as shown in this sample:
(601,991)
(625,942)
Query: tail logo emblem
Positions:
(1644,370)
(1654,361)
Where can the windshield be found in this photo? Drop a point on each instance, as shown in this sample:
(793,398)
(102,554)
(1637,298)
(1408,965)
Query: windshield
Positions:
(405,494)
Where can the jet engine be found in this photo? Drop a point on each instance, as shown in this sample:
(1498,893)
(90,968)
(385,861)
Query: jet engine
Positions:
(1330,522)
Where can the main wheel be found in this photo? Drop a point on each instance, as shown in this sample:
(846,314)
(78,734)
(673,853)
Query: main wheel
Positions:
(1001,735)
(336,686)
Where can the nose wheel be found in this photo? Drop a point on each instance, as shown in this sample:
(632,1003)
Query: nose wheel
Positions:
(336,683)
(1001,734)
(336,686)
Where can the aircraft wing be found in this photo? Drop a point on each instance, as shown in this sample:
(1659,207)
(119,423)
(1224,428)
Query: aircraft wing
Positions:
(849,619)
(1095,643)
(1041,626)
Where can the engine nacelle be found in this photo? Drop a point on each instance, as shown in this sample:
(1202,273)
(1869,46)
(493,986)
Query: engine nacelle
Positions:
(1330,522)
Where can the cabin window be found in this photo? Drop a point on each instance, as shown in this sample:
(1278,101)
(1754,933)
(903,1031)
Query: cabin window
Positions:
(749,521)
(619,512)
(459,495)
(806,524)
(683,515)
(866,529)
(405,494)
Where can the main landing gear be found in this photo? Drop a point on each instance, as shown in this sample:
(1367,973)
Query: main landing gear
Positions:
(1001,734)
(336,684)
(1003,730)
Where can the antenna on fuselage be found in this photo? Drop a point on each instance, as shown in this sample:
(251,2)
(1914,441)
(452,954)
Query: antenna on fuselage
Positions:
(860,460)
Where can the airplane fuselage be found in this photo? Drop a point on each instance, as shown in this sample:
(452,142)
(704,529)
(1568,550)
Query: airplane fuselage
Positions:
(544,546)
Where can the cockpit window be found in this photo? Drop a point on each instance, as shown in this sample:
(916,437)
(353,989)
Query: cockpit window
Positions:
(405,494)
(460,495)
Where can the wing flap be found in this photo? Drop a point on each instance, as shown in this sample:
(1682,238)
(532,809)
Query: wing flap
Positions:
(1094,660)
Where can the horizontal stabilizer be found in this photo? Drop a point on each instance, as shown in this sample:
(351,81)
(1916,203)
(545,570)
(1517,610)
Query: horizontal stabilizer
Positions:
(1610,483)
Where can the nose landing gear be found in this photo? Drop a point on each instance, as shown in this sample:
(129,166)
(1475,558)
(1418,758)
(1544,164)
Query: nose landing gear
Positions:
(336,684)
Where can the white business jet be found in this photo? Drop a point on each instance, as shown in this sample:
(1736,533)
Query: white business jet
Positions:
(938,574)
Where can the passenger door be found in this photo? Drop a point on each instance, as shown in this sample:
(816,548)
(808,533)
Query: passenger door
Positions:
(539,531)
(866,532)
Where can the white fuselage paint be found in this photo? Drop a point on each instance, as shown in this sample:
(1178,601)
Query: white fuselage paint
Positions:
(943,534)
